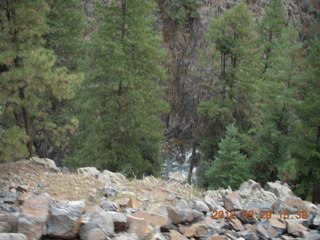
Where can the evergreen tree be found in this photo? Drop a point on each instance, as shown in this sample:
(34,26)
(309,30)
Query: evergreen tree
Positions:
(230,38)
(271,141)
(121,130)
(27,76)
(307,129)
(230,167)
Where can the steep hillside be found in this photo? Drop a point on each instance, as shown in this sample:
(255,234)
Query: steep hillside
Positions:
(186,89)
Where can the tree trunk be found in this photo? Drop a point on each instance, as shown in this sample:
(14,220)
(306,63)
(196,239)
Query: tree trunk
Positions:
(27,123)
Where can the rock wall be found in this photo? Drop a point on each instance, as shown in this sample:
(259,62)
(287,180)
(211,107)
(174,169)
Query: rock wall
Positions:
(185,90)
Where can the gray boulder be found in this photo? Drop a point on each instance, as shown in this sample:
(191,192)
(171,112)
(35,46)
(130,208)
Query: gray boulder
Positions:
(65,219)
(99,225)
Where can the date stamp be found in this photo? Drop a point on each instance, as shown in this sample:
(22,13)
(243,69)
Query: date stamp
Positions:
(251,214)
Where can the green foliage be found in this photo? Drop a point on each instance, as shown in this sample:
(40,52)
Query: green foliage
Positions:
(28,76)
(13,144)
(230,37)
(120,129)
(230,167)
(181,11)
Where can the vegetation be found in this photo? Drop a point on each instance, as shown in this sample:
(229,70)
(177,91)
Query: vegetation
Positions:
(88,90)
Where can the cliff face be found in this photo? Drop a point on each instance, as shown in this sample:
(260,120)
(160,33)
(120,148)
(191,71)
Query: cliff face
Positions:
(186,83)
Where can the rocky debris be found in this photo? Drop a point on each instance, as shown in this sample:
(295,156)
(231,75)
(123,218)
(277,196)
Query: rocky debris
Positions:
(151,209)
(12,236)
(65,219)
(89,172)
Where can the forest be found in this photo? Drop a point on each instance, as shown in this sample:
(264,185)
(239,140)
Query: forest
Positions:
(91,89)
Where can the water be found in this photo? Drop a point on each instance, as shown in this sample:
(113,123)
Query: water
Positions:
(177,160)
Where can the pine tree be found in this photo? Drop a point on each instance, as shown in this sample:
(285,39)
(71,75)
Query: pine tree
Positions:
(28,77)
(121,130)
(307,130)
(230,167)
(279,73)
(231,38)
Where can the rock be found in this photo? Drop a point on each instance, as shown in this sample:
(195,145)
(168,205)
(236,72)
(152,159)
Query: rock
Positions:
(274,226)
(174,235)
(218,237)
(279,205)
(196,230)
(154,219)
(35,213)
(133,203)
(100,223)
(110,191)
(46,162)
(116,178)
(108,206)
(232,202)
(295,202)
(236,224)
(156,235)
(250,185)
(248,235)
(261,232)
(12,236)
(296,229)
(182,204)
(201,207)
(126,236)
(282,191)
(178,215)
(176,177)
(261,206)
(316,221)
(119,220)
(4,207)
(141,227)
(314,235)
(10,197)
(23,188)
(65,219)
(8,222)
(212,204)
(89,172)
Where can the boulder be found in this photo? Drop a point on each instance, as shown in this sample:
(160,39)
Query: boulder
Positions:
(274,226)
(261,232)
(313,235)
(201,207)
(249,186)
(154,219)
(218,237)
(232,202)
(46,162)
(196,230)
(116,178)
(89,172)
(316,221)
(248,235)
(236,224)
(126,236)
(65,219)
(212,204)
(12,236)
(282,191)
(100,223)
(35,213)
(8,222)
(141,227)
(296,229)
(178,215)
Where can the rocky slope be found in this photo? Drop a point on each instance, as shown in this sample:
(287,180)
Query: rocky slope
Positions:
(186,89)
(40,201)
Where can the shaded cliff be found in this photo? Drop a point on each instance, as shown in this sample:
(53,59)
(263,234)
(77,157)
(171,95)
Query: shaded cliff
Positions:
(187,79)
